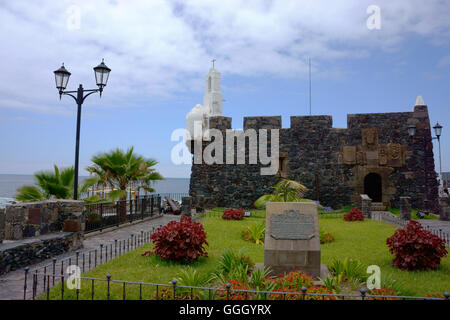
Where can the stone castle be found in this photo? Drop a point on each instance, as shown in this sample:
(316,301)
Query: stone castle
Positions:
(375,155)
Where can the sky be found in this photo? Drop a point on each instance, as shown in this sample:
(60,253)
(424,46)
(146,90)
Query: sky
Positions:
(367,56)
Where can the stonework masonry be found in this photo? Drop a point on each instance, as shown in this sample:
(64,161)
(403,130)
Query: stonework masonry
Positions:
(374,155)
(22,253)
(29,219)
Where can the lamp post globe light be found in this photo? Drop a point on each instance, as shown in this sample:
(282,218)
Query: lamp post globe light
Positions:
(62,78)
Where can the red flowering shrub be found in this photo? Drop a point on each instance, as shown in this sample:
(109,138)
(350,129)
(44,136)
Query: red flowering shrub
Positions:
(234,295)
(354,215)
(282,296)
(299,296)
(416,248)
(166,293)
(180,241)
(320,290)
(233,214)
(294,280)
(385,291)
(436,295)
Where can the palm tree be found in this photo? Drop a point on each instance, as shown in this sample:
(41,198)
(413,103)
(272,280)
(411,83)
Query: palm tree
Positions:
(49,184)
(284,191)
(118,169)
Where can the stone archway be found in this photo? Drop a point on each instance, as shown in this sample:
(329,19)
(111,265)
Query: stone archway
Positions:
(373,187)
(359,174)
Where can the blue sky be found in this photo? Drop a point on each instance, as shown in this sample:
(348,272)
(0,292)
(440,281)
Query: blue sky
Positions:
(160,52)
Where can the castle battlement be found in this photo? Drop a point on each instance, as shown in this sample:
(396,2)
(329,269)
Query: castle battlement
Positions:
(374,155)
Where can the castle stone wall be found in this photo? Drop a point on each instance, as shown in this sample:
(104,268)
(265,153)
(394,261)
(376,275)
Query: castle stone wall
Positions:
(331,162)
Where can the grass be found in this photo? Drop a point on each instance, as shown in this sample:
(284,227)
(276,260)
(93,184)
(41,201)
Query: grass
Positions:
(364,241)
(132,266)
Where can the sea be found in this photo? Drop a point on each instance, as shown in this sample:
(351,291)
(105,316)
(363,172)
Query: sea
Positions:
(9,183)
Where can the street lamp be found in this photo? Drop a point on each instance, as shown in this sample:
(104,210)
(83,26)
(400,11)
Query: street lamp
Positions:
(411,130)
(62,78)
(438,130)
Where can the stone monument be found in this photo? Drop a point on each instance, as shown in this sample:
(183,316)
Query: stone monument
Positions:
(405,208)
(366,206)
(292,238)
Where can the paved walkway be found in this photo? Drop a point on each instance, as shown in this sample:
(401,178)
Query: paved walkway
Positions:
(438,227)
(97,250)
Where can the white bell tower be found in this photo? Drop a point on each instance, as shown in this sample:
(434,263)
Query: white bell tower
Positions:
(212,106)
(212,99)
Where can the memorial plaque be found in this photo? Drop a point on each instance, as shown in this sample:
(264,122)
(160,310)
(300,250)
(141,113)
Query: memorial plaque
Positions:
(34,216)
(292,225)
(292,239)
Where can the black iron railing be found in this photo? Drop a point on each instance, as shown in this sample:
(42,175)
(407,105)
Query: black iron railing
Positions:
(99,216)
(86,260)
(174,196)
(174,291)
(400,223)
(38,282)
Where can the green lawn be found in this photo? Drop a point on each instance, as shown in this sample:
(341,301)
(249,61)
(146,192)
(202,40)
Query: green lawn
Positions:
(364,241)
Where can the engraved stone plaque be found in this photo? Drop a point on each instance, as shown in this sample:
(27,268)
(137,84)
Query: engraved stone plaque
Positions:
(292,225)
(349,154)
(34,216)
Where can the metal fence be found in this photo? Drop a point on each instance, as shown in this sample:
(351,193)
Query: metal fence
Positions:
(103,215)
(400,223)
(39,282)
(174,196)
(111,289)
(86,260)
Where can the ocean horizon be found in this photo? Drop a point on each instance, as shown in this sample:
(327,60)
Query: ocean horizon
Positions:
(9,183)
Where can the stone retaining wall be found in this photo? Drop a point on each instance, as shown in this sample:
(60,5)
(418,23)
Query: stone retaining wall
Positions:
(19,254)
(29,219)
(2,225)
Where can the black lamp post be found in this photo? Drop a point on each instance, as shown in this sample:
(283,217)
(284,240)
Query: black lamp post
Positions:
(438,130)
(62,78)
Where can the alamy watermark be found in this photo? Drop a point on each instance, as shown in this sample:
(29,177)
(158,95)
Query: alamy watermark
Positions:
(74,279)
(373,22)
(374,280)
(73,21)
(235,153)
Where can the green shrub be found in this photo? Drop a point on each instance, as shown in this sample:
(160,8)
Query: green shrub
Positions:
(348,269)
(254,233)
(190,277)
(326,237)
(259,281)
(233,265)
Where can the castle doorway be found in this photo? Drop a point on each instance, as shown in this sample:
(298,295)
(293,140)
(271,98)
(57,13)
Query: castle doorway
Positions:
(372,187)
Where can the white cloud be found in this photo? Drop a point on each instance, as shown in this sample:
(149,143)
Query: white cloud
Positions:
(164,47)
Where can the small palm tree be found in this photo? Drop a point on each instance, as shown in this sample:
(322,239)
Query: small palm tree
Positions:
(284,191)
(49,185)
(118,169)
